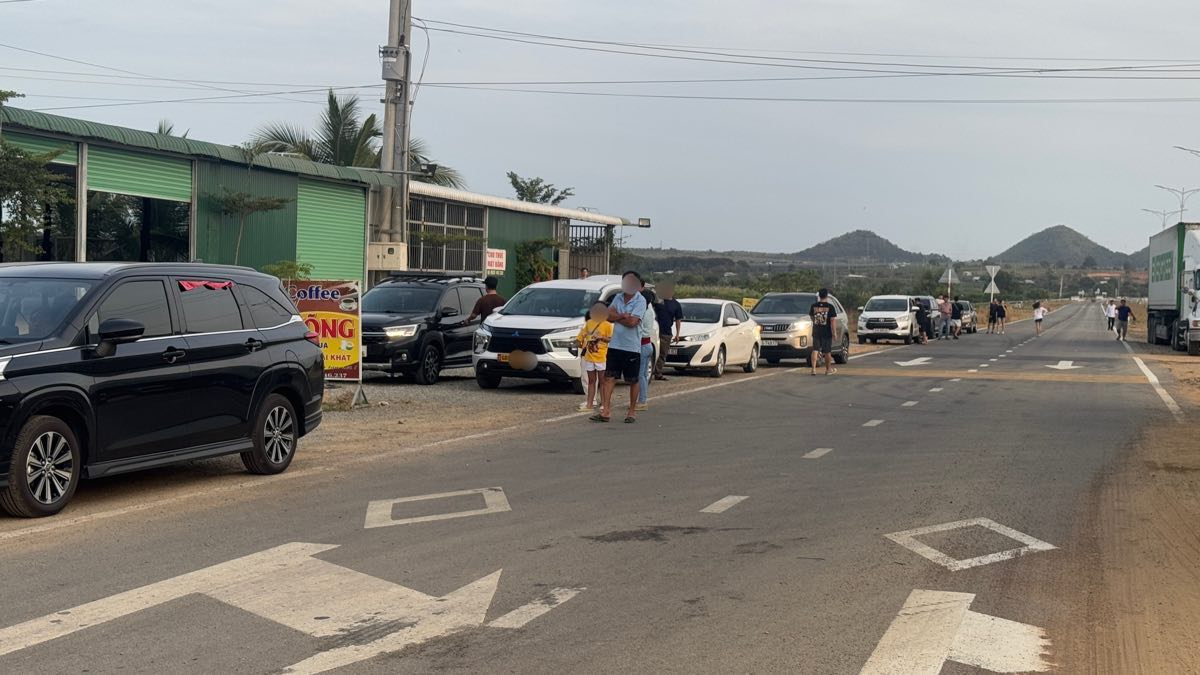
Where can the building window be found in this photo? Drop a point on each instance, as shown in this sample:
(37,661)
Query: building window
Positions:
(128,228)
(445,237)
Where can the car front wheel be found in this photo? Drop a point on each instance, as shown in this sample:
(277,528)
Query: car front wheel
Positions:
(275,436)
(430,366)
(44,468)
(752,364)
(719,369)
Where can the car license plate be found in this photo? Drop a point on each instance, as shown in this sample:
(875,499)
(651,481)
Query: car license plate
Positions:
(673,351)
(771,343)
(503,358)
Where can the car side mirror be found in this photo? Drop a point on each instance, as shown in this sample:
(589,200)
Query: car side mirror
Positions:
(732,321)
(860,309)
(114,332)
(450,311)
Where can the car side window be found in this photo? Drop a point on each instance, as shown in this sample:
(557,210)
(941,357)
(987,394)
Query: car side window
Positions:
(266,312)
(450,300)
(141,301)
(740,313)
(727,314)
(209,308)
(468,296)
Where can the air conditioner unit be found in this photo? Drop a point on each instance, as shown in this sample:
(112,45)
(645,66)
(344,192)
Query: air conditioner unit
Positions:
(391,256)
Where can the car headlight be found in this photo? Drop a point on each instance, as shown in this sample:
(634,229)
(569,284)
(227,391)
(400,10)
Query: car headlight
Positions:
(699,337)
(562,342)
(397,332)
(483,337)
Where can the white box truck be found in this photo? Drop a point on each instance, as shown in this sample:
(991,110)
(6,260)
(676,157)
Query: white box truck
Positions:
(1173,310)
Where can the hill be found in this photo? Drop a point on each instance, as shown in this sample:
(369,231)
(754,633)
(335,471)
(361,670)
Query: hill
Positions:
(1062,244)
(861,245)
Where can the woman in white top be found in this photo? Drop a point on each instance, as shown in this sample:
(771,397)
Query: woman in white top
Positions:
(1039,313)
(647,330)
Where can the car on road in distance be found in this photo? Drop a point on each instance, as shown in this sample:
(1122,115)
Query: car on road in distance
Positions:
(888,317)
(107,368)
(970,318)
(787,327)
(534,335)
(414,324)
(714,334)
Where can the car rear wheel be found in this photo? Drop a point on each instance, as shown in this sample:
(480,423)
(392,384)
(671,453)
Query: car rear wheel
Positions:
(752,364)
(44,469)
(719,369)
(275,436)
(430,366)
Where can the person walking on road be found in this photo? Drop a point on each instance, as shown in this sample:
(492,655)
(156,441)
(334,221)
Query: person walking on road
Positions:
(490,301)
(624,351)
(946,312)
(593,341)
(992,316)
(1110,311)
(824,320)
(669,314)
(956,318)
(1124,316)
(648,332)
(1039,313)
(1001,315)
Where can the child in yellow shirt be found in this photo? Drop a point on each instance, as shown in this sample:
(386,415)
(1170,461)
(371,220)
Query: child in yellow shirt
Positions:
(593,341)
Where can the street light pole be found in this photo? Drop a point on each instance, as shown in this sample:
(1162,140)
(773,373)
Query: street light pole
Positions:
(1183,194)
(1161,214)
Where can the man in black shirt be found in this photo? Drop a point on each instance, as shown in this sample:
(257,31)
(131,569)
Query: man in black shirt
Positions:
(824,322)
(956,318)
(669,315)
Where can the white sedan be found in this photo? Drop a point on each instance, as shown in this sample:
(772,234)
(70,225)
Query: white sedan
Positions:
(715,333)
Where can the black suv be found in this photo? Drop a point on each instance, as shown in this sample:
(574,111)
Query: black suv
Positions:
(416,324)
(114,367)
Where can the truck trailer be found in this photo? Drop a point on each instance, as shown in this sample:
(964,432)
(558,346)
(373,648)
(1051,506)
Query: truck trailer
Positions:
(1173,309)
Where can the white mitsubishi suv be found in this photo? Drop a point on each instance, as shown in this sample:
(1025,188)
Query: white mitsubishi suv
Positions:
(533,335)
(887,317)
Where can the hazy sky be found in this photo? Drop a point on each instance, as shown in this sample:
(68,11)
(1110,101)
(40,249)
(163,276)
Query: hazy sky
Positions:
(965,179)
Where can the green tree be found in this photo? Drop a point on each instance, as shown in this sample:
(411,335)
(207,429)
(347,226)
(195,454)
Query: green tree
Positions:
(538,191)
(242,205)
(531,265)
(288,269)
(1089,263)
(343,138)
(29,193)
(167,128)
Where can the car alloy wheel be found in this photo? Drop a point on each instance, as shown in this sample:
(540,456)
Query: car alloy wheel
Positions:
(279,434)
(49,467)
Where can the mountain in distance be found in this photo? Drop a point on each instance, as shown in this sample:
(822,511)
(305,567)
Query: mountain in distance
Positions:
(858,245)
(1063,244)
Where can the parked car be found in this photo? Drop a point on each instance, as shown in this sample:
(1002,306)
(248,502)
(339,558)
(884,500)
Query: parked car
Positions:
(714,334)
(970,319)
(413,324)
(888,317)
(113,367)
(533,336)
(787,327)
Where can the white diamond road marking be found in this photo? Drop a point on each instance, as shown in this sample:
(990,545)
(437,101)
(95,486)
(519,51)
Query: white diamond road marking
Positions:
(379,512)
(819,452)
(909,404)
(908,539)
(724,504)
(872,423)
(938,626)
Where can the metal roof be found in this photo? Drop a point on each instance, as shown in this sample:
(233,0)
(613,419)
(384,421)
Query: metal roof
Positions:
(450,194)
(94,131)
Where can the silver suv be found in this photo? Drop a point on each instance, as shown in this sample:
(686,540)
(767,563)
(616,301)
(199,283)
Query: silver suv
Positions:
(787,327)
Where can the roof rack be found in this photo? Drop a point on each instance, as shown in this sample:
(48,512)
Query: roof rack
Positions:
(434,277)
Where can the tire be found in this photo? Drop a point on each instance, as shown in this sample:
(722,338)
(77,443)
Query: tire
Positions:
(1151,329)
(843,356)
(43,493)
(1179,341)
(719,369)
(908,339)
(752,364)
(429,368)
(275,437)
(862,340)
(486,381)
(577,386)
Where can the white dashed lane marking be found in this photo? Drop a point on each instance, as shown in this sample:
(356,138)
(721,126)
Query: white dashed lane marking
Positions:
(909,404)
(873,423)
(724,504)
(819,452)
(935,390)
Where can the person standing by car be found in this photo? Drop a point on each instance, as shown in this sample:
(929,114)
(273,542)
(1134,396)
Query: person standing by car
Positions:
(944,311)
(584,273)
(1001,315)
(593,340)
(624,352)
(490,301)
(669,314)
(648,332)
(1124,316)
(1110,311)
(956,318)
(921,314)
(824,320)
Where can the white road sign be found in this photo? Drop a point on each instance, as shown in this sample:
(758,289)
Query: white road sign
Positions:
(949,277)
(992,269)
(379,512)
(919,361)
(289,586)
(1064,365)
(937,626)
(992,288)
(909,540)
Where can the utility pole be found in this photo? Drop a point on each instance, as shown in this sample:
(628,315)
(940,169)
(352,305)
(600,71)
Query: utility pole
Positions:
(393,158)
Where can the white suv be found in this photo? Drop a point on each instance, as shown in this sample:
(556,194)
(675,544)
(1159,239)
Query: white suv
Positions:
(888,317)
(533,336)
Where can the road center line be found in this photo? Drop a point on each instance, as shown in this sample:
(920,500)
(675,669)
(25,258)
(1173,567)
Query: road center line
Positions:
(993,360)
(724,504)
(819,452)
(935,390)
(908,404)
(872,423)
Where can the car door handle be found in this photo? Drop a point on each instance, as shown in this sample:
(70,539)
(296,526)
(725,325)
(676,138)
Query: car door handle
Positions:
(172,355)
(253,345)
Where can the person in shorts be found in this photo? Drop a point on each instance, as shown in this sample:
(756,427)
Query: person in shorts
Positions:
(1124,316)
(1039,313)
(955,318)
(625,350)
(992,316)
(824,322)
(593,341)
(1001,315)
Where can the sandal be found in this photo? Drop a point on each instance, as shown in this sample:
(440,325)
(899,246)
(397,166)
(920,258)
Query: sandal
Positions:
(599,418)
(630,420)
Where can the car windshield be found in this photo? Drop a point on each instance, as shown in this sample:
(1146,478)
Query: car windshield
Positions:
(32,309)
(399,299)
(887,305)
(566,303)
(701,312)
(785,304)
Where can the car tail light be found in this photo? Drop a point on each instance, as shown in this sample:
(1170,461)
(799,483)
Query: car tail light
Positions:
(313,337)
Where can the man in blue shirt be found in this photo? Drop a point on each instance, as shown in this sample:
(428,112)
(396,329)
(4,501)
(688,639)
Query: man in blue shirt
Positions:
(624,351)
(1124,316)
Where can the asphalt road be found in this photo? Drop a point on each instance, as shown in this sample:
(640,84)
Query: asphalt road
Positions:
(608,562)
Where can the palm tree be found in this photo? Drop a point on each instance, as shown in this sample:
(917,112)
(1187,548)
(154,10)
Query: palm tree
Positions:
(167,128)
(341,139)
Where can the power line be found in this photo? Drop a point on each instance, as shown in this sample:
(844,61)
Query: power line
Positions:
(202,98)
